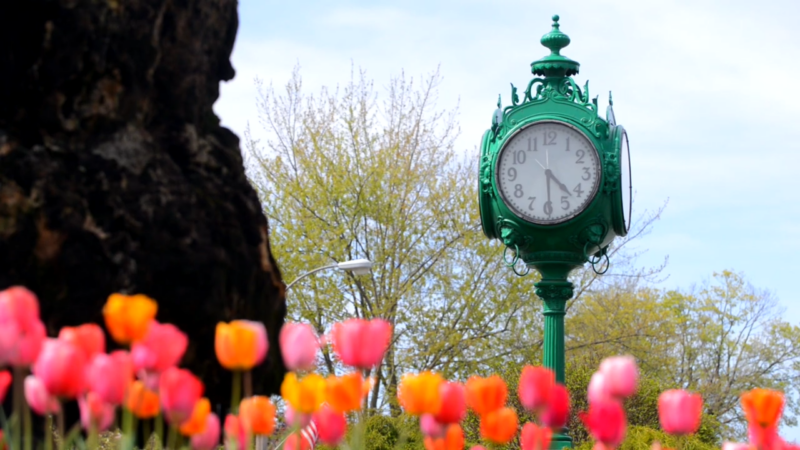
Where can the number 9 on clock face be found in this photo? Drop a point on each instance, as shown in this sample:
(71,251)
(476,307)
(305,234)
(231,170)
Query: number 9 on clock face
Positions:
(548,172)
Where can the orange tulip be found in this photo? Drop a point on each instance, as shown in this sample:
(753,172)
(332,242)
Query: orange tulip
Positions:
(196,423)
(128,317)
(500,425)
(142,402)
(88,337)
(257,415)
(420,394)
(344,394)
(485,395)
(304,396)
(453,439)
(763,407)
(241,344)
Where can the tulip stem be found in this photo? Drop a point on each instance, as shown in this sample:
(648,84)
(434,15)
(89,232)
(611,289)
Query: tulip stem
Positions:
(172,438)
(60,422)
(159,431)
(19,399)
(92,440)
(236,393)
(28,426)
(48,433)
(248,384)
(146,432)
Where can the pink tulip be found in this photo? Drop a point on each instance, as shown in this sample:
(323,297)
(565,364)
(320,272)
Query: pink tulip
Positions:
(361,343)
(621,375)
(179,390)
(62,368)
(331,425)
(454,403)
(477,447)
(209,438)
(430,427)
(5,382)
(21,332)
(680,411)
(295,419)
(556,412)
(96,414)
(235,434)
(162,347)
(736,446)
(299,346)
(109,376)
(88,337)
(535,384)
(40,401)
(598,388)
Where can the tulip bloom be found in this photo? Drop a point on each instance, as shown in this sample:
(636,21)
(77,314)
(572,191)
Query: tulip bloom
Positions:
(109,376)
(96,414)
(430,426)
(235,434)
(485,395)
(295,419)
(419,394)
(161,347)
(5,382)
(241,344)
(40,401)
(142,402)
(331,425)
(257,415)
(361,343)
(762,407)
(454,403)
(598,389)
(62,368)
(299,346)
(534,437)
(680,411)
(196,423)
(22,334)
(736,446)
(208,439)
(534,387)
(453,439)
(621,375)
(500,426)
(556,412)
(345,393)
(179,390)
(305,396)
(128,317)
(296,441)
(606,422)
(88,337)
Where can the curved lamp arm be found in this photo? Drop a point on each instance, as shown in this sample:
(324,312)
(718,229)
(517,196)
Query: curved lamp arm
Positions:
(318,269)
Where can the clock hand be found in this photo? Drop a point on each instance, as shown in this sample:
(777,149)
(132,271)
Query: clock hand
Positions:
(540,164)
(548,205)
(560,184)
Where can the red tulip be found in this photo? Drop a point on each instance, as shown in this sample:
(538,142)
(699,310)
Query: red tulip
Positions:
(179,390)
(62,368)
(331,425)
(209,438)
(430,426)
(680,411)
(361,343)
(5,382)
(40,401)
(299,346)
(88,337)
(96,414)
(454,403)
(606,422)
(235,434)
(621,375)
(765,438)
(534,437)
(598,388)
(556,411)
(109,376)
(297,441)
(162,347)
(535,384)
(22,334)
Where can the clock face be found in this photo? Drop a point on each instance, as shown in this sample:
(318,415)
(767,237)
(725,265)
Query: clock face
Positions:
(548,173)
(625,186)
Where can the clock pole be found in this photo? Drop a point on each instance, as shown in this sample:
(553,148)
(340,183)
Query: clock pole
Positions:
(554,246)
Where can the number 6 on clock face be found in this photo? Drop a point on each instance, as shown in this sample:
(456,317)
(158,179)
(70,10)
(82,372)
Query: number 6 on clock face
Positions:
(553,163)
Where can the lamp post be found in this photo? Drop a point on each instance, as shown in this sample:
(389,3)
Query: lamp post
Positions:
(357,266)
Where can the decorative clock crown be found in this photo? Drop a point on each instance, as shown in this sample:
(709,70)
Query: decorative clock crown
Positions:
(554,64)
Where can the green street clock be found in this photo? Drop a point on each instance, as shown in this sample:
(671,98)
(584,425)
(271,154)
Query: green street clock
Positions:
(555,185)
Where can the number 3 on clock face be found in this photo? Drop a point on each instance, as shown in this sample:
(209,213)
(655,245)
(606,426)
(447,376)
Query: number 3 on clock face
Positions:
(548,172)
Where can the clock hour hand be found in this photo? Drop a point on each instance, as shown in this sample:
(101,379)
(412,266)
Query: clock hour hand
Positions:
(560,184)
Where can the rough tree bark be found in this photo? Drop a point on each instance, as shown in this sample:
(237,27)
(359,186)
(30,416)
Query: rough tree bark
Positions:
(115,175)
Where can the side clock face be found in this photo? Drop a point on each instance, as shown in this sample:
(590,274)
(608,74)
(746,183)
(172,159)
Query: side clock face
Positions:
(548,173)
(625,181)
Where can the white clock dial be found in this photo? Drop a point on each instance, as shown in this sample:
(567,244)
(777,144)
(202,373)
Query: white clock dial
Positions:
(548,172)
(626,185)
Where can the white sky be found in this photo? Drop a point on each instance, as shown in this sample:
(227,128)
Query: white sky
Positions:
(707,89)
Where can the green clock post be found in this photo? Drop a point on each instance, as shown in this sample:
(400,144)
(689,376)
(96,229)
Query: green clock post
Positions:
(555,185)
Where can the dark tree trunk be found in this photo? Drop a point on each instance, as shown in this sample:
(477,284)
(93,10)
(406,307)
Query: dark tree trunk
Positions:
(115,175)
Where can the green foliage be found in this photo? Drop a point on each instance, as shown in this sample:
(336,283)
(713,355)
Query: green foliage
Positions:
(642,438)
(389,433)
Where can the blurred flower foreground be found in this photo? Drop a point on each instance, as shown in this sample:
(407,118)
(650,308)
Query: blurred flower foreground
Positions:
(143,388)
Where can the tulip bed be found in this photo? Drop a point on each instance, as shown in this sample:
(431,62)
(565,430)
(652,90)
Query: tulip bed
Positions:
(143,387)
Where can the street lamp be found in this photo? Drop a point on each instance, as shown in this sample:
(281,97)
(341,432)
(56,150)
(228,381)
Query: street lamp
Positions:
(357,266)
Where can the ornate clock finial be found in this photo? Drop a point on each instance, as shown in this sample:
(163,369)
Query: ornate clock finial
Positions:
(555,65)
